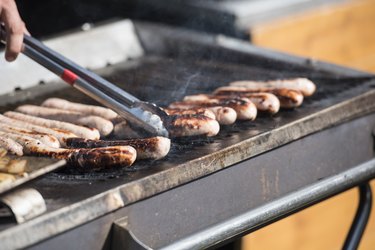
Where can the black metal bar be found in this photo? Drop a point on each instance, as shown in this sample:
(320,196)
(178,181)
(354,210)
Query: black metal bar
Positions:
(361,218)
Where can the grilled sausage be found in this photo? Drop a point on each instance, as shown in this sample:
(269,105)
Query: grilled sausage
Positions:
(93,158)
(244,108)
(11,145)
(288,98)
(191,111)
(224,115)
(266,102)
(80,131)
(46,139)
(61,135)
(104,126)
(304,85)
(85,109)
(192,125)
(149,148)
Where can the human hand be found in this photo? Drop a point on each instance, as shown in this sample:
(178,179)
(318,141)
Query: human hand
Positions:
(14,27)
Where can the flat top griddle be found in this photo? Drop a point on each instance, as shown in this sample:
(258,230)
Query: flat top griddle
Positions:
(163,80)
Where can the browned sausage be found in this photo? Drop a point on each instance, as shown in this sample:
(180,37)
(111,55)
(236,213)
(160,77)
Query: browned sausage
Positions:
(191,111)
(192,125)
(90,159)
(266,102)
(149,148)
(244,108)
(288,98)
(304,85)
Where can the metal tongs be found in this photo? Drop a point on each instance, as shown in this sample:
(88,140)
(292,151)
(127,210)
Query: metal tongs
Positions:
(140,114)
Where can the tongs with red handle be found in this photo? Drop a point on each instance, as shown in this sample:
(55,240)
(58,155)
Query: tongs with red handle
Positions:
(144,115)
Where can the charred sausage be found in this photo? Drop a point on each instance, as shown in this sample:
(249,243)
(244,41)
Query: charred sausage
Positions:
(149,148)
(91,159)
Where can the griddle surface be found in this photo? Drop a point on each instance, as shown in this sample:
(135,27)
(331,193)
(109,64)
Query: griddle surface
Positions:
(163,80)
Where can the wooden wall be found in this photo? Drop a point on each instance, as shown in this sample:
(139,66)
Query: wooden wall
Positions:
(339,33)
(343,34)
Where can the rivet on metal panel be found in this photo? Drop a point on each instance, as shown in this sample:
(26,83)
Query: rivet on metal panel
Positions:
(25,204)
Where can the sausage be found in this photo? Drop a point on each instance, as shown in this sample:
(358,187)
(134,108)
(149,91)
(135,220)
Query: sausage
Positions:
(80,131)
(104,126)
(91,159)
(288,98)
(60,134)
(85,109)
(244,108)
(265,102)
(192,125)
(149,148)
(46,139)
(11,145)
(191,111)
(224,115)
(304,85)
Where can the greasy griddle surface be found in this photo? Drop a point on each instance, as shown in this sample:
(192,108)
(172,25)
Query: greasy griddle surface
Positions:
(163,80)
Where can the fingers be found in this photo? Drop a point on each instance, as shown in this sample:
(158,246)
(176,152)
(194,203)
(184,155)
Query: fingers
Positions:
(15,28)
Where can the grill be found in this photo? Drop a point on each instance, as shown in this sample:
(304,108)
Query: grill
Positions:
(259,171)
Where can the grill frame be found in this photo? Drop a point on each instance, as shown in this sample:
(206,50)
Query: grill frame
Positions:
(138,188)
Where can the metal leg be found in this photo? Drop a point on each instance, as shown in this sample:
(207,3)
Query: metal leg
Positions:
(361,218)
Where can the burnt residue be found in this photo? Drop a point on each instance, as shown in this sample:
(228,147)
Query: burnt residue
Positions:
(147,144)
